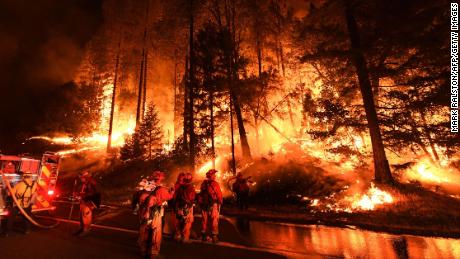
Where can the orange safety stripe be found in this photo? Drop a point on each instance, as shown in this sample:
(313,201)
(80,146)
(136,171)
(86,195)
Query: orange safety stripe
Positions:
(46,171)
(43,182)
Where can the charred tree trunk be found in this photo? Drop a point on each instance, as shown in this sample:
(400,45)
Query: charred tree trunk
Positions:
(139,92)
(239,118)
(142,76)
(150,144)
(191,91)
(211,108)
(256,126)
(259,53)
(233,79)
(381,166)
(186,113)
(232,135)
(144,86)
(175,119)
(114,93)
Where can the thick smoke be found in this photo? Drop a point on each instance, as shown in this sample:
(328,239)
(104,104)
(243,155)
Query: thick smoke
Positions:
(41,46)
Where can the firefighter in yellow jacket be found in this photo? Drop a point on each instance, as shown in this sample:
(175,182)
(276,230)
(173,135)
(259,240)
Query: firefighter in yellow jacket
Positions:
(89,200)
(25,192)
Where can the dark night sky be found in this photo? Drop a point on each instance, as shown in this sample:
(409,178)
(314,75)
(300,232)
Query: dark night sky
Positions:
(41,45)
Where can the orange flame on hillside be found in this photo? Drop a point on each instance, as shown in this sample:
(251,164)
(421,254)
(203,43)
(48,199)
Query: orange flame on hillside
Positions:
(373,198)
(122,128)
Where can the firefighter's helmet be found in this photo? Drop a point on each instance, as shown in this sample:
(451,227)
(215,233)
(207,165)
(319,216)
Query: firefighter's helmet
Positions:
(180,177)
(188,178)
(150,186)
(210,173)
(141,185)
(158,175)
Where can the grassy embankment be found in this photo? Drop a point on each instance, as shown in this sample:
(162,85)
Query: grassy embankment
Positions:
(278,194)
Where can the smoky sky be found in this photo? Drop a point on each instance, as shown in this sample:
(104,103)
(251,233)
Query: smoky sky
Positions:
(41,46)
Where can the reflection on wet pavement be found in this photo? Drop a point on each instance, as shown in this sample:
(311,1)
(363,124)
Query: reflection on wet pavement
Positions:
(344,242)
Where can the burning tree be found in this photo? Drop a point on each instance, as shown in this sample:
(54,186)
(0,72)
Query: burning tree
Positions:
(364,85)
(400,76)
(132,149)
(210,80)
(146,140)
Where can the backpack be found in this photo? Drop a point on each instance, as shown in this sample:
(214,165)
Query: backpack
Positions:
(205,198)
(146,214)
(181,198)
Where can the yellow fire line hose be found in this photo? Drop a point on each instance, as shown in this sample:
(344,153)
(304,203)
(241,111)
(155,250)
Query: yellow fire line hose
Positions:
(23,212)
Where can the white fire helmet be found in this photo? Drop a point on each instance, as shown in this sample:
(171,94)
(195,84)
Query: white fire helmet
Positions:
(150,186)
(141,185)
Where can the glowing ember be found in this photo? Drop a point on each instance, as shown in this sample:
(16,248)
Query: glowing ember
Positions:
(315,202)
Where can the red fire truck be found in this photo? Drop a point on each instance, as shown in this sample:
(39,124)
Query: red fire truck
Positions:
(44,172)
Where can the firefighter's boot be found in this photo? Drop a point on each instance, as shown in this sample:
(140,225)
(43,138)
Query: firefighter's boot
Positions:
(76,233)
(84,233)
(177,237)
(215,240)
(204,237)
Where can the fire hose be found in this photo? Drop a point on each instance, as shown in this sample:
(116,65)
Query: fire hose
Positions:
(23,212)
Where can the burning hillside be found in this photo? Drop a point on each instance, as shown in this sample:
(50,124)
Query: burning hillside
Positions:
(253,88)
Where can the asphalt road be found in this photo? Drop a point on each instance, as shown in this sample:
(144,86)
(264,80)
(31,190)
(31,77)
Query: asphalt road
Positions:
(114,236)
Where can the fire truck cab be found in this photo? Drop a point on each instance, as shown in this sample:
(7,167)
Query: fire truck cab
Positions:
(44,173)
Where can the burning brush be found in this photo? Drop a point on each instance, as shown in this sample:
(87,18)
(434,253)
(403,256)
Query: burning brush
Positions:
(371,199)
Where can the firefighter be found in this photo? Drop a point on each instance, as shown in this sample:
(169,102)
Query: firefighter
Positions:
(241,190)
(210,200)
(179,182)
(89,200)
(25,192)
(143,226)
(6,222)
(183,209)
(143,186)
(6,205)
(151,214)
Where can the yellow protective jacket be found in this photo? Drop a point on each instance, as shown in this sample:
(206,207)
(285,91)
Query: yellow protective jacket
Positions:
(25,192)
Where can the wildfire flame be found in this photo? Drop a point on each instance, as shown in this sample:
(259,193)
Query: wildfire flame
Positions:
(56,140)
(122,128)
(426,171)
(219,166)
(74,151)
(371,199)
